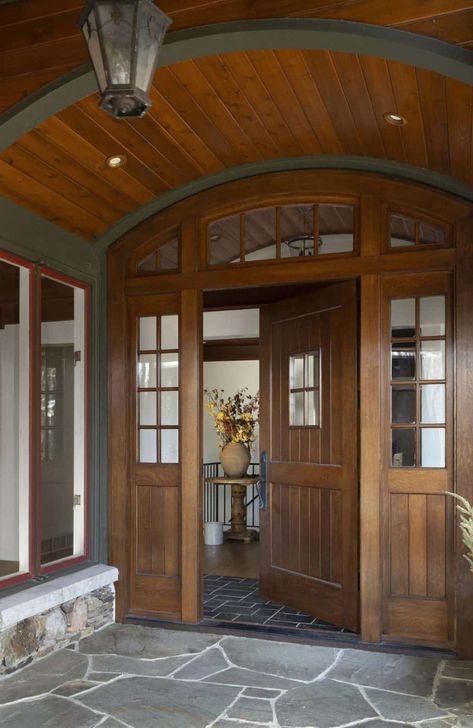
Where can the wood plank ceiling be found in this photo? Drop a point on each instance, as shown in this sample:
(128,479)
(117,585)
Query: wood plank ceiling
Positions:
(224,111)
(40,39)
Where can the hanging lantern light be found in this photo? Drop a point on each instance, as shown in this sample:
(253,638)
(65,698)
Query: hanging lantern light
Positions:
(124,38)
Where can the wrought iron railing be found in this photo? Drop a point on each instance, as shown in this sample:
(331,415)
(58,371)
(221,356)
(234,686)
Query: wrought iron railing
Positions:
(218,498)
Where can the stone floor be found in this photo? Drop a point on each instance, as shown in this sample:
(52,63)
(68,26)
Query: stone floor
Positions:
(238,600)
(141,677)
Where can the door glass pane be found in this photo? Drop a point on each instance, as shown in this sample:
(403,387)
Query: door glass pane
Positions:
(432,316)
(148,341)
(403,318)
(169,370)
(403,448)
(14,419)
(223,241)
(312,408)
(297,409)
(432,404)
(403,408)
(432,358)
(169,332)
(312,373)
(169,446)
(403,231)
(260,234)
(63,420)
(148,447)
(147,371)
(432,447)
(169,408)
(403,361)
(336,225)
(297,372)
(148,414)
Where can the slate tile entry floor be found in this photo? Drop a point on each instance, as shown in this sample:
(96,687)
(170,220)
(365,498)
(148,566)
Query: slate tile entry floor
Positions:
(144,677)
(235,600)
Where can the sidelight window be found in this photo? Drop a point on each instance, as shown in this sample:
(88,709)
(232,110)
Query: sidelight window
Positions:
(304,389)
(418,382)
(158,389)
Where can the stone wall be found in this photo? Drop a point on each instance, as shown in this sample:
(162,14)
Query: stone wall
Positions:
(55,628)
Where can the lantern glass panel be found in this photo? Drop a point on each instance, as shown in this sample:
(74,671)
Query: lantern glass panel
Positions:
(149,36)
(91,36)
(117,21)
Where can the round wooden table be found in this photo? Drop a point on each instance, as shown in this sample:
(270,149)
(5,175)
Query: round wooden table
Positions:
(238,530)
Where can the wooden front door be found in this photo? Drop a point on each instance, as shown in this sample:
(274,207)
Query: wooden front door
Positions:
(309,529)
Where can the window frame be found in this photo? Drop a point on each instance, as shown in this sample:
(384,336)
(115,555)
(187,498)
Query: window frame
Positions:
(304,390)
(418,218)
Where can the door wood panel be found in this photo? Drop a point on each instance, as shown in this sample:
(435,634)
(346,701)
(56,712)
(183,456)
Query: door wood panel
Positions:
(309,533)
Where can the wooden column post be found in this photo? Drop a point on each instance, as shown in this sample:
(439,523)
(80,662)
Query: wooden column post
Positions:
(464,428)
(370,466)
(191,431)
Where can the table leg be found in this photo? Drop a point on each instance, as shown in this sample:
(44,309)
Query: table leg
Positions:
(238,530)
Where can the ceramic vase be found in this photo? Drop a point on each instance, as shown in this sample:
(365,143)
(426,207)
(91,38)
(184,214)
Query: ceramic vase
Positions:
(235,458)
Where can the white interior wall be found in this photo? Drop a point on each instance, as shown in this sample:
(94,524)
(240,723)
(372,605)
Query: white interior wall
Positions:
(9,443)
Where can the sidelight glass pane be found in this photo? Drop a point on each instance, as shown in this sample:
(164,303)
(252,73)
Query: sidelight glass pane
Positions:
(403,447)
(169,332)
(169,408)
(14,419)
(148,340)
(432,359)
(297,409)
(148,446)
(403,405)
(169,446)
(432,316)
(312,399)
(148,414)
(169,370)
(147,371)
(432,404)
(63,425)
(403,318)
(403,361)
(432,446)
(297,372)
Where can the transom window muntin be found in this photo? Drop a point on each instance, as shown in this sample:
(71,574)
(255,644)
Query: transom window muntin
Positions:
(163,258)
(418,382)
(293,230)
(304,389)
(407,230)
(158,389)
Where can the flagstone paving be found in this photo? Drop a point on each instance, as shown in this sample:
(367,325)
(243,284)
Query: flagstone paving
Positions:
(140,677)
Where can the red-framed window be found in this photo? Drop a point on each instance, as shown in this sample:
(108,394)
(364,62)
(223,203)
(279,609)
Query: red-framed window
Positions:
(44,393)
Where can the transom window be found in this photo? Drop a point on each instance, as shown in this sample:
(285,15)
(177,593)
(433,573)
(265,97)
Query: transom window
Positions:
(163,259)
(304,389)
(418,382)
(286,231)
(407,232)
(158,389)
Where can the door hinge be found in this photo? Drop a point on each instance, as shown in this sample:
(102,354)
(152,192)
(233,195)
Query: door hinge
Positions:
(77,500)
(77,356)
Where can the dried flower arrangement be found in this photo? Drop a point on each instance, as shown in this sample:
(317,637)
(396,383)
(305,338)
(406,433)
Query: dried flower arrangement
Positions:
(236,417)
(466,525)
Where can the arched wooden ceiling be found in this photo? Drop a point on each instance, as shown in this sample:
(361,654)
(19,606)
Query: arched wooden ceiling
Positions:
(40,40)
(223,111)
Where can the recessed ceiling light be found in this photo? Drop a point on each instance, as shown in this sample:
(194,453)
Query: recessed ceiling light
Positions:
(118,160)
(395,119)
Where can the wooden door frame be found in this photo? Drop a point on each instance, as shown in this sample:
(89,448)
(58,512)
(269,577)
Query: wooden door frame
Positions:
(373,193)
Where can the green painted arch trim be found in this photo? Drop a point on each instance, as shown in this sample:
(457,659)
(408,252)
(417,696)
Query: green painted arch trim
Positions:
(351,163)
(333,35)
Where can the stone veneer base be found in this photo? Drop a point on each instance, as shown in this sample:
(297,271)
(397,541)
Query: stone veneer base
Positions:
(54,614)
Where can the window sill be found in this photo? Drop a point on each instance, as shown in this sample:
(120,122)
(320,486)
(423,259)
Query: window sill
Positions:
(41,597)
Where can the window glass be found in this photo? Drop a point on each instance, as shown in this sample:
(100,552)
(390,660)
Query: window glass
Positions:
(14,419)
(164,258)
(403,231)
(403,360)
(404,405)
(403,448)
(223,241)
(432,357)
(63,357)
(406,231)
(432,447)
(297,231)
(336,226)
(304,389)
(432,316)
(260,234)
(403,318)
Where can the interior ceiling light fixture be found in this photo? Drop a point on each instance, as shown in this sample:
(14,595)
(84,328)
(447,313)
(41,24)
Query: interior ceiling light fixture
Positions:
(118,160)
(124,38)
(395,119)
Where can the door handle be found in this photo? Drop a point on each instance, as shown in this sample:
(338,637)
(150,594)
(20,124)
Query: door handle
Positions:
(262,485)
